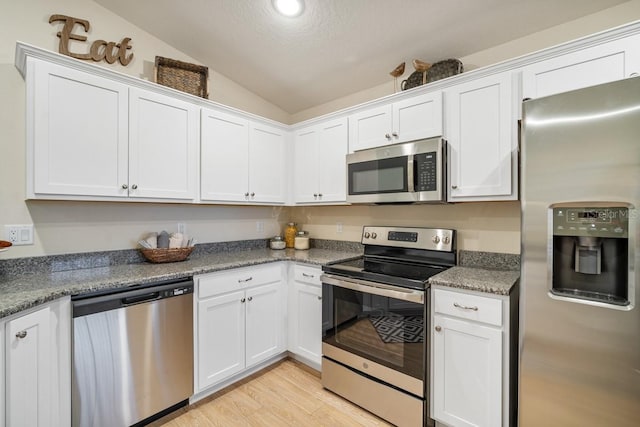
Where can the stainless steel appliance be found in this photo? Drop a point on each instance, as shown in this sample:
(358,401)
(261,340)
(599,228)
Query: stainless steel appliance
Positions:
(580,322)
(375,314)
(132,354)
(410,172)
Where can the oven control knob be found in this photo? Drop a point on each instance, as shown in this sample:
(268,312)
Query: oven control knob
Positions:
(374,235)
(436,239)
(367,235)
(446,240)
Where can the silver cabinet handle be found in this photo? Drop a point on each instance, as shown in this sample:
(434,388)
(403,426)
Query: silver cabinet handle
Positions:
(125,186)
(21,334)
(134,186)
(438,328)
(250,299)
(464,307)
(308,275)
(245,280)
(243,300)
(454,186)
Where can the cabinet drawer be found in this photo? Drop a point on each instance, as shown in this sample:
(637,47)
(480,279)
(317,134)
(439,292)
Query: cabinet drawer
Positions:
(467,306)
(240,278)
(310,275)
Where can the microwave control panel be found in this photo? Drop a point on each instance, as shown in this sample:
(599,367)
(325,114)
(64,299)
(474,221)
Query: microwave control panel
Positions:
(426,171)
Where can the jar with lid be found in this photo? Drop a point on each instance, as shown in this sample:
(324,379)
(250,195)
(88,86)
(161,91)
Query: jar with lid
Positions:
(302,240)
(290,235)
(276,243)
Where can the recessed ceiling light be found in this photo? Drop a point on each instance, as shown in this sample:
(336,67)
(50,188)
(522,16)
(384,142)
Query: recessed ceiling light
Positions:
(289,8)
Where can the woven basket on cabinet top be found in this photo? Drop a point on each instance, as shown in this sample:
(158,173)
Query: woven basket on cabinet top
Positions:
(189,78)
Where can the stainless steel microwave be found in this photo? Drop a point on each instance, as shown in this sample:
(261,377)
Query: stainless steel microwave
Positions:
(410,172)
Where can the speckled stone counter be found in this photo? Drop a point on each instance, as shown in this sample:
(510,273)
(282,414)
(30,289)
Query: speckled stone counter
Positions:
(490,272)
(22,291)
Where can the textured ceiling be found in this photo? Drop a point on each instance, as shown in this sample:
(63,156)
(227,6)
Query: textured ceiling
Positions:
(337,47)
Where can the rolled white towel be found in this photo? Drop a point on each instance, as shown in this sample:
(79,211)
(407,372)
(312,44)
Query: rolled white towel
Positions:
(175,240)
(152,240)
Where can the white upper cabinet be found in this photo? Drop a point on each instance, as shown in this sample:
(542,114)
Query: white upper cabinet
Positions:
(95,139)
(163,146)
(406,120)
(77,138)
(241,161)
(591,66)
(320,164)
(481,129)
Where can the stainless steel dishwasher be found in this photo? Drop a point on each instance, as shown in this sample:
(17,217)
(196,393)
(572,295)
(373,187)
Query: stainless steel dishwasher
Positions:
(132,354)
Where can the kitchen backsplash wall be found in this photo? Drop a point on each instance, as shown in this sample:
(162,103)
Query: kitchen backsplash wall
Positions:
(490,226)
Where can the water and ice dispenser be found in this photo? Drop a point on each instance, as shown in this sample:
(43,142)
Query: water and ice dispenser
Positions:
(591,253)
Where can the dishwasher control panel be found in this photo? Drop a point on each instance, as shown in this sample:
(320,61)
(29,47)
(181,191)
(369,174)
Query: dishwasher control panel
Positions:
(177,291)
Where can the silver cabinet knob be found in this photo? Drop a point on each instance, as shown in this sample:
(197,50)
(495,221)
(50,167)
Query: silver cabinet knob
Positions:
(243,300)
(319,194)
(436,239)
(246,194)
(134,186)
(250,299)
(319,298)
(21,334)
(395,134)
(125,186)
(438,328)
(386,135)
(253,194)
(454,187)
(315,195)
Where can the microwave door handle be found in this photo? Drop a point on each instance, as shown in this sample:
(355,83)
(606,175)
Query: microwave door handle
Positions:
(411,179)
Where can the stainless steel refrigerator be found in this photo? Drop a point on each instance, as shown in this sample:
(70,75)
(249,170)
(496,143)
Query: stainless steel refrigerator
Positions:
(579,314)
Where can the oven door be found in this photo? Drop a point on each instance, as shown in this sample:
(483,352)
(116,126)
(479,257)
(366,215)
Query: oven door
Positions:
(377,329)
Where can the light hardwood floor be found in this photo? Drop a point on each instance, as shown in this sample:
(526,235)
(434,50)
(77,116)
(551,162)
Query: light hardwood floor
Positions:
(285,394)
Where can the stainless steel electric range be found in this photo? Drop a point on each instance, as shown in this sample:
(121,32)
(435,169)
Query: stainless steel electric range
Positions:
(375,320)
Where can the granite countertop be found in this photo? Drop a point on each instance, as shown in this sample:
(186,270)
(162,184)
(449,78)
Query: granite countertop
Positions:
(22,291)
(477,279)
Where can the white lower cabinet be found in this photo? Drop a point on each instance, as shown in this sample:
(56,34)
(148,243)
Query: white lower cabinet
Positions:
(240,321)
(37,368)
(305,314)
(472,360)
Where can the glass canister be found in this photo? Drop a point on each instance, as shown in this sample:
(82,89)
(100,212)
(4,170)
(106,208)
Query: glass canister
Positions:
(302,240)
(290,234)
(276,243)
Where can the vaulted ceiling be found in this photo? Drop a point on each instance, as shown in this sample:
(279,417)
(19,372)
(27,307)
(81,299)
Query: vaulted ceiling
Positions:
(337,47)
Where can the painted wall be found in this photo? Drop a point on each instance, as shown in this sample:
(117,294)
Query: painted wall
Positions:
(68,227)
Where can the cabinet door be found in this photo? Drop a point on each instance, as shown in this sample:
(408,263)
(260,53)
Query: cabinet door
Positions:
(331,161)
(599,64)
(306,165)
(76,132)
(266,164)
(224,154)
(418,117)
(221,338)
(264,323)
(467,373)
(481,131)
(307,321)
(29,371)
(163,146)
(2,375)
(370,128)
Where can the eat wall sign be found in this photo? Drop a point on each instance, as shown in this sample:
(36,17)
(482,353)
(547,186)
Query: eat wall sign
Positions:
(100,49)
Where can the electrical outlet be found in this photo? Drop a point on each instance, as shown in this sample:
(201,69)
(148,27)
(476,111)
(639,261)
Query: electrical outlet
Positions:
(259,226)
(338,227)
(19,234)
(182,228)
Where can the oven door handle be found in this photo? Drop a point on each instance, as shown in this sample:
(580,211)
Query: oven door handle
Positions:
(404,294)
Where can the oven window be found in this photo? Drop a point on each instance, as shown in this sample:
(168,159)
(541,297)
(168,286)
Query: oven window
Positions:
(378,176)
(382,329)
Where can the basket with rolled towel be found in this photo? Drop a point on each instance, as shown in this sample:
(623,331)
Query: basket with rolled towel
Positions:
(165,247)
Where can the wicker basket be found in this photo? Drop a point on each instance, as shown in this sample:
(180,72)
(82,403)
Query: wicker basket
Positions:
(167,255)
(189,78)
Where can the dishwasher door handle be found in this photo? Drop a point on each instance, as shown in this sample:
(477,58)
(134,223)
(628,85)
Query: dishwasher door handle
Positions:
(140,298)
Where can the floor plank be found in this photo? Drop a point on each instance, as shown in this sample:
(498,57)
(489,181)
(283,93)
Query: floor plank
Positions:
(285,394)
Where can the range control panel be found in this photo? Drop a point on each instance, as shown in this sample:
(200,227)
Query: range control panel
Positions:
(438,239)
(591,221)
